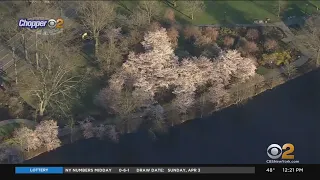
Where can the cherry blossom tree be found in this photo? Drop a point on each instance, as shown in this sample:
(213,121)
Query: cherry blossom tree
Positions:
(47,132)
(270,44)
(169,15)
(154,26)
(100,131)
(237,66)
(192,32)
(228,41)
(154,119)
(250,47)
(133,88)
(183,102)
(27,139)
(211,33)
(218,95)
(173,35)
(252,34)
(112,133)
(155,68)
(87,128)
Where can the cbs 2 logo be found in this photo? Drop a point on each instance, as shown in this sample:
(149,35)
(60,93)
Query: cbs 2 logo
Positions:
(52,23)
(274,151)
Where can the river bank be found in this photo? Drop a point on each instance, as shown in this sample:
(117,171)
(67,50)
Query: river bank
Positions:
(234,135)
(65,133)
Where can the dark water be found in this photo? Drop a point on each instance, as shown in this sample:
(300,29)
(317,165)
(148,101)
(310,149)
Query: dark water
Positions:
(289,113)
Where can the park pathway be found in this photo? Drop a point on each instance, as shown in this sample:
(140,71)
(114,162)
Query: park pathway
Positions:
(29,123)
(290,39)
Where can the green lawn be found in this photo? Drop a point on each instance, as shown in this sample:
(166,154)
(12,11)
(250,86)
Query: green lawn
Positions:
(242,11)
(7,130)
(262,70)
(247,11)
(3,9)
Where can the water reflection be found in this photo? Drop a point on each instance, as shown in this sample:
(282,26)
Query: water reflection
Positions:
(287,114)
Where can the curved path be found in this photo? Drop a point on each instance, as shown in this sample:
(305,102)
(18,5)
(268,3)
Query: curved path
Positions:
(19,121)
(290,39)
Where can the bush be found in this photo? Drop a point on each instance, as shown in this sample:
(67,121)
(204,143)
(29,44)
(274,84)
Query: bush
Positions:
(252,34)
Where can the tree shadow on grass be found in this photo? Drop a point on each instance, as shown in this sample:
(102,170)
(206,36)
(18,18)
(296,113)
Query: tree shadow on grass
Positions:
(174,8)
(225,14)
(266,6)
(293,10)
(4,113)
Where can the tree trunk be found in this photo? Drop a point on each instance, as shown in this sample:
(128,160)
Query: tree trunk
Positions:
(279,8)
(15,65)
(149,17)
(192,16)
(41,109)
(24,47)
(96,43)
(37,55)
(71,129)
(317,59)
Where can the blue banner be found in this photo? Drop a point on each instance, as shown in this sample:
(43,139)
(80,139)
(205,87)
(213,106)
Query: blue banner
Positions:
(39,170)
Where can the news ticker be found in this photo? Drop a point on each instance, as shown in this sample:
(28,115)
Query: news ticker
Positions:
(166,170)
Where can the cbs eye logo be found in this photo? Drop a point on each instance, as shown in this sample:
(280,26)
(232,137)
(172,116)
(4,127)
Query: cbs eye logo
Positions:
(275,151)
(52,23)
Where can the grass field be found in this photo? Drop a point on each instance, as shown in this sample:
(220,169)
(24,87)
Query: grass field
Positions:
(237,11)
(247,11)
(7,130)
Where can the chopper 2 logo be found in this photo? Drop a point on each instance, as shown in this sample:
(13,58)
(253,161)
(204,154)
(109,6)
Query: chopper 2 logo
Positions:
(284,153)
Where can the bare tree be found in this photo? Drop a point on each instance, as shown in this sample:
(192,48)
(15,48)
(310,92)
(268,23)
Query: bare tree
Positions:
(112,133)
(14,58)
(289,70)
(169,15)
(192,7)
(228,41)
(110,55)
(192,32)
(203,103)
(183,102)
(270,44)
(250,47)
(211,33)
(51,85)
(150,9)
(87,128)
(252,34)
(71,125)
(96,16)
(154,26)
(240,92)
(174,2)
(279,7)
(218,95)
(137,20)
